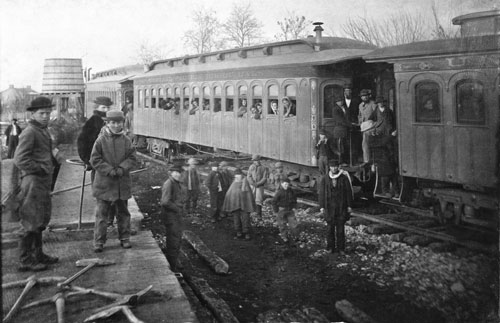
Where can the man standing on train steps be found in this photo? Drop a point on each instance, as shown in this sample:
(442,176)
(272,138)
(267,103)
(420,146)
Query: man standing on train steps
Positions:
(335,197)
(257,177)
(33,158)
(341,129)
(366,109)
(324,152)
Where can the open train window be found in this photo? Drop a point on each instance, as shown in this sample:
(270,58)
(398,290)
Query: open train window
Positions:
(185,100)
(289,101)
(229,98)
(427,103)
(243,102)
(329,94)
(256,105)
(206,99)
(470,107)
(217,99)
(153,98)
(141,99)
(177,100)
(146,98)
(272,100)
(162,102)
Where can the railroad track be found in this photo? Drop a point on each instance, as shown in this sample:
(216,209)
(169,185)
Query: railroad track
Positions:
(420,222)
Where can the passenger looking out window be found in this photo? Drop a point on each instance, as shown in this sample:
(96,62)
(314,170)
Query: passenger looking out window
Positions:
(185,104)
(206,104)
(177,105)
(256,111)
(288,107)
(243,108)
(194,106)
(427,102)
(273,108)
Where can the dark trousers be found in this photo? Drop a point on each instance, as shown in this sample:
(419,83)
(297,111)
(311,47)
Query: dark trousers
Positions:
(323,165)
(13,141)
(241,221)
(216,202)
(101,220)
(343,149)
(335,236)
(173,231)
(191,199)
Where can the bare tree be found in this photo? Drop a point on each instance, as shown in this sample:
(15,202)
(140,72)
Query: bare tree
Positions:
(242,28)
(205,36)
(443,32)
(147,52)
(396,29)
(293,27)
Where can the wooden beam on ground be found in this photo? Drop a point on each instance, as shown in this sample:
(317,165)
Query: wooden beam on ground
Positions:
(215,262)
(207,295)
(351,313)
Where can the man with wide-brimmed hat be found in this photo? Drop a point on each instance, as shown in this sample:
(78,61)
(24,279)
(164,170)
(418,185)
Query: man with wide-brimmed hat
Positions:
(335,197)
(33,157)
(257,177)
(366,109)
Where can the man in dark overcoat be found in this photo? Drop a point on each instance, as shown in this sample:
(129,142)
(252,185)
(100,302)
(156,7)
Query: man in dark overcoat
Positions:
(87,137)
(33,157)
(217,188)
(325,151)
(335,199)
(341,129)
(12,133)
(172,202)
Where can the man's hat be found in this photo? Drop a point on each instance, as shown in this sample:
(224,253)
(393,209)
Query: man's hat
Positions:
(255,157)
(286,98)
(114,115)
(285,180)
(40,102)
(176,168)
(339,99)
(192,161)
(278,164)
(364,92)
(238,172)
(103,100)
(348,86)
(379,99)
(323,132)
(333,163)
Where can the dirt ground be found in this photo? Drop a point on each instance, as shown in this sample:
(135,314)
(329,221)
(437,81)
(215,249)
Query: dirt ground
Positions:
(266,274)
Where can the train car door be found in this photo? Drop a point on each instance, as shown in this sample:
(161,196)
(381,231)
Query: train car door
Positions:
(255,122)
(242,119)
(273,113)
(217,117)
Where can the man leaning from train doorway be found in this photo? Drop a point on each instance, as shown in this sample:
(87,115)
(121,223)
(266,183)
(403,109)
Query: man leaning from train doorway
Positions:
(257,177)
(335,197)
(33,157)
(87,137)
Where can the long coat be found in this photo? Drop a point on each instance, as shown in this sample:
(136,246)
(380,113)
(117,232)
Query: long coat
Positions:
(33,158)
(341,123)
(8,132)
(111,151)
(213,180)
(335,200)
(172,198)
(88,135)
(239,196)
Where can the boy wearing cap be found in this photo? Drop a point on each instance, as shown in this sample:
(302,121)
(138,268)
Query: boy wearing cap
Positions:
(113,157)
(324,152)
(33,158)
(192,184)
(215,183)
(171,213)
(240,202)
(335,199)
(284,203)
(257,177)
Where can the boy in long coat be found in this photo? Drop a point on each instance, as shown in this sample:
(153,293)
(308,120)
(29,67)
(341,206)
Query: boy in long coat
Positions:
(172,201)
(335,200)
(113,157)
(33,157)
(257,177)
(240,202)
(217,188)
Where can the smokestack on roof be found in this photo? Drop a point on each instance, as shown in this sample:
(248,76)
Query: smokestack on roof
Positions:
(318,29)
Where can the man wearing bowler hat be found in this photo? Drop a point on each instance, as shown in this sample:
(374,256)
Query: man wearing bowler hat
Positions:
(33,157)
(335,196)
(87,137)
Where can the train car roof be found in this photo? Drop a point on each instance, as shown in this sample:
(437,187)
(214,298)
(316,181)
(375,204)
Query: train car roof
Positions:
(293,52)
(441,47)
(117,74)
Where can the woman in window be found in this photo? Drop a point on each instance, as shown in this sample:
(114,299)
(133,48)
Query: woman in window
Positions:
(288,106)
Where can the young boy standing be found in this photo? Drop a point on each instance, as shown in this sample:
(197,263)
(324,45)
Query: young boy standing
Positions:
(192,183)
(112,157)
(33,157)
(284,203)
(217,190)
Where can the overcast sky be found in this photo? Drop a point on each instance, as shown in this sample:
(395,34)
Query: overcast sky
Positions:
(107,33)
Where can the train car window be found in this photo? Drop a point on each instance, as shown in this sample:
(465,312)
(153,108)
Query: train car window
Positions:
(162,103)
(243,102)
(153,98)
(141,99)
(217,99)
(289,101)
(272,104)
(206,99)
(329,94)
(195,101)
(427,104)
(256,106)
(470,107)
(146,98)
(229,98)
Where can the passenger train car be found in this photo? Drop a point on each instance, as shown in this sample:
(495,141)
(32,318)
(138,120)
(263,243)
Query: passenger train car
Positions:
(444,93)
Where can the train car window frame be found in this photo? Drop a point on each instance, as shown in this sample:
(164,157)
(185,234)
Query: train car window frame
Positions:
(290,92)
(177,99)
(256,98)
(186,97)
(427,102)
(146,99)
(273,100)
(242,95)
(327,100)
(206,96)
(162,102)
(228,98)
(140,98)
(154,99)
(217,98)
(472,113)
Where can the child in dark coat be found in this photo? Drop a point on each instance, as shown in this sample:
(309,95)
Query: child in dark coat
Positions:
(216,185)
(284,203)
(240,202)
(112,157)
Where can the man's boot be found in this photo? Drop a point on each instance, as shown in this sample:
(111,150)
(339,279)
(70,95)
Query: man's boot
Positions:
(40,256)
(27,260)
(259,211)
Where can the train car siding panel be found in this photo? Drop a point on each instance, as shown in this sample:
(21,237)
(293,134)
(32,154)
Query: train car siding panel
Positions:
(256,137)
(243,135)
(205,134)
(272,137)
(429,146)
(216,129)
(303,135)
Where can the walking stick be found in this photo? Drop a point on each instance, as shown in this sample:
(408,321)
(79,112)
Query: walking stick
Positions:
(81,199)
